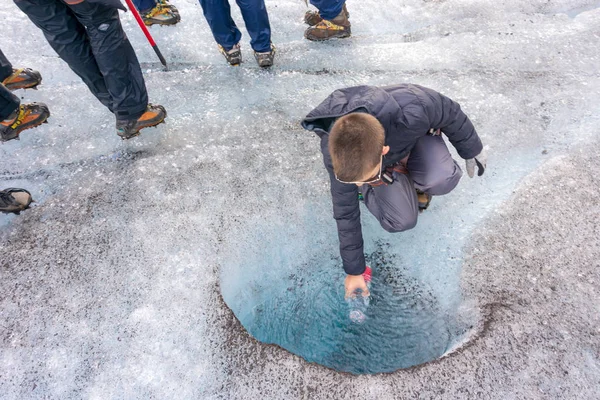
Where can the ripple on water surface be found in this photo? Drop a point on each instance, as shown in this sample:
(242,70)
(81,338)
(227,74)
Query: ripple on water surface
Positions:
(305,313)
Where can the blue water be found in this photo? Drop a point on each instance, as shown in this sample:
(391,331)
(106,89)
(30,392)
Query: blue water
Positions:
(305,313)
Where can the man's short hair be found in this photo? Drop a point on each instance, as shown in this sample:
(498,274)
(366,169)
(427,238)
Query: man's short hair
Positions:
(355,144)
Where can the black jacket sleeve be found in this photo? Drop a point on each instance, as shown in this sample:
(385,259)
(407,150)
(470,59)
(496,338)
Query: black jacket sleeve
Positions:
(445,114)
(346,211)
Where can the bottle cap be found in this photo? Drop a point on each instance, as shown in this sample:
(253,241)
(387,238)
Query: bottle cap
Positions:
(367,274)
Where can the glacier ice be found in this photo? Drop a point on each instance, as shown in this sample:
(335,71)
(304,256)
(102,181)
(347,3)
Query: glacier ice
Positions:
(108,283)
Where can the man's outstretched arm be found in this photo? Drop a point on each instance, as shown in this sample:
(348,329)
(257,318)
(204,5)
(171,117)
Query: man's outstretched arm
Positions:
(346,212)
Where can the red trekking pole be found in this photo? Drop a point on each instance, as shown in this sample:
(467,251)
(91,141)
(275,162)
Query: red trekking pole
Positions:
(140,22)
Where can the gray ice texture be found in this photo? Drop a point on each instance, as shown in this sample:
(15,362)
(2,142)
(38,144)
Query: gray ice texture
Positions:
(110,287)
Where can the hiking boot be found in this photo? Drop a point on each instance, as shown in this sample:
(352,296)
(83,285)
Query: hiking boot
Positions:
(23,78)
(13,200)
(162,14)
(265,59)
(424,199)
(233,56)
(25,117)
(128,128)
(311,18)
(339,27)
(165,3)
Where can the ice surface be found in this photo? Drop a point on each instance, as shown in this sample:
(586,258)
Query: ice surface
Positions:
(108,284)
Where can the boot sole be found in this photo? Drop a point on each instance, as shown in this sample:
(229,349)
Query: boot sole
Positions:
(162,23)
(31,126)
(313,39)
(234,62)
(341,35)
(17,87)
(231,60)
(267,64)
(150,125)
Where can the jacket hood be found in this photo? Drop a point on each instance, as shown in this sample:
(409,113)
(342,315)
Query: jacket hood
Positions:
(370,99)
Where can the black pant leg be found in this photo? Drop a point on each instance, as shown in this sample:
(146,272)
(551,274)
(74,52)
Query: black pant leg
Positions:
(8,102)
(6,68)
(115,58)
(69,39)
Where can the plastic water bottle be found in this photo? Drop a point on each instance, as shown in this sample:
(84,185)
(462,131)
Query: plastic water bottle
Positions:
(358,304)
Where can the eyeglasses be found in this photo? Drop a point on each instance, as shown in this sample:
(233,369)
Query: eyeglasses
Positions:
(372,180)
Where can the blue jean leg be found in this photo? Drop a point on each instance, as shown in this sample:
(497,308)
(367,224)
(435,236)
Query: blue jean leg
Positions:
(144,5)
(329,9)
(257,23)
(218,16)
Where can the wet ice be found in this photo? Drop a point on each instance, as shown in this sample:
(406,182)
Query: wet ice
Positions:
(107,284)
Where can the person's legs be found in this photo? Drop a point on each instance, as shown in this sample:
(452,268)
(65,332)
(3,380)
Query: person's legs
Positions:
(68,38)
(256,18)
(8,103)
(218,16)
(328,9)
(431,166)
(115,58)
(395,206)
(6,68)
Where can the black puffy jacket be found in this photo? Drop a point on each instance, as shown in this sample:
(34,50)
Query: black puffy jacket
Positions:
(407,112)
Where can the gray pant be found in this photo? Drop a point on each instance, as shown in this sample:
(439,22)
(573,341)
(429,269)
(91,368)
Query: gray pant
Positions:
(89,37)
(431,169)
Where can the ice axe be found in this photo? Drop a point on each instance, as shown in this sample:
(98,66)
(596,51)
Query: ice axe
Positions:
(140,22)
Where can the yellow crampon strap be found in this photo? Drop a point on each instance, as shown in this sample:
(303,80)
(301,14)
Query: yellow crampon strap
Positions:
(158,10)
(13,76)
(329,25)
(20,117)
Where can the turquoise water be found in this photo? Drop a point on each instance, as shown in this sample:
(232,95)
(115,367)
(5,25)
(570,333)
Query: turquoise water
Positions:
(305,313)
